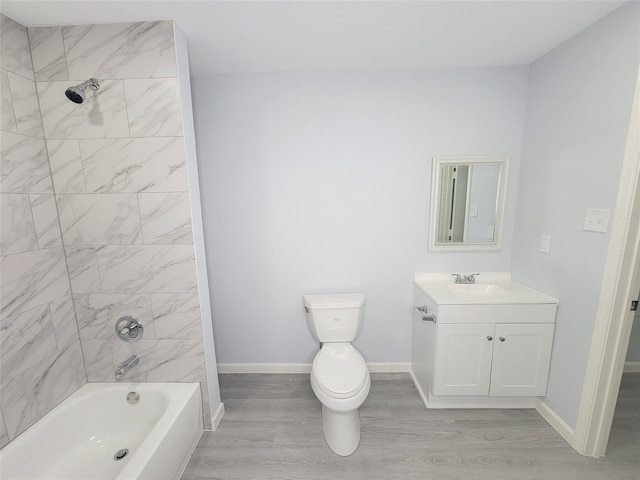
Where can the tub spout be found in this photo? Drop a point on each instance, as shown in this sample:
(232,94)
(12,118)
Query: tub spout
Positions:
(127,365)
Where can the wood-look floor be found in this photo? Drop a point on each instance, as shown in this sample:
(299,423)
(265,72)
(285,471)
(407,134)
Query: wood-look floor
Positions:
(272,430)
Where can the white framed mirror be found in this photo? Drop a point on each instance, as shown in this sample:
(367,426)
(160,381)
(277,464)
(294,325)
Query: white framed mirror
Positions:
(467,202)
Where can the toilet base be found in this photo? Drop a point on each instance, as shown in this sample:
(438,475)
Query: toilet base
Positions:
(341,430)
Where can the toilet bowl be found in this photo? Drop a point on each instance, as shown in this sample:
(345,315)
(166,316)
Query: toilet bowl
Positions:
(341,381)
(339,375)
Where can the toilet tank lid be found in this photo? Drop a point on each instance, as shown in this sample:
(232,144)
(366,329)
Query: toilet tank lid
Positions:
(334,300)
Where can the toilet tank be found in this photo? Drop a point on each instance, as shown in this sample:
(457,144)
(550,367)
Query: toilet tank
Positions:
(335,317)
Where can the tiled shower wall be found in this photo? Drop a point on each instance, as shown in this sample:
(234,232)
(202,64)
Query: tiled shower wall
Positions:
(119,174)
(41,360)
(119,180)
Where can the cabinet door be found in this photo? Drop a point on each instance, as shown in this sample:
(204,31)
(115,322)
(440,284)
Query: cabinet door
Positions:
(463,359)
(521,357)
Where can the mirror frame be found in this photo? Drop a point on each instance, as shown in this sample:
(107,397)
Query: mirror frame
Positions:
(437,164)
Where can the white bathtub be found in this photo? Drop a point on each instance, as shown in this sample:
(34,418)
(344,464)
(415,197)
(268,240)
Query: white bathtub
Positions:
(79,437)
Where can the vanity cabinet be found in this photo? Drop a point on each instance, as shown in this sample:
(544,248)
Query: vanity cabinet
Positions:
(465,350)
(492,359)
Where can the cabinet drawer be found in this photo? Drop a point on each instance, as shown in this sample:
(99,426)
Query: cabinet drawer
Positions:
(507,313)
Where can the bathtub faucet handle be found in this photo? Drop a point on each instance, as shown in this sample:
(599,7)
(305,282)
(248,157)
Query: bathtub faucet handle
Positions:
(129,328)
(129,331)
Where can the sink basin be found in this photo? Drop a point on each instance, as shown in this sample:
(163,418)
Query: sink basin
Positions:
(492,288)
(475,290)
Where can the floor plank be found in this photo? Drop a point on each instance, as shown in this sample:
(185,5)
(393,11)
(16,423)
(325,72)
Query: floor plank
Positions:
(272,429)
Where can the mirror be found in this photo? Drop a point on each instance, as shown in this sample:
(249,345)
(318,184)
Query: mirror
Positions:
(467,202)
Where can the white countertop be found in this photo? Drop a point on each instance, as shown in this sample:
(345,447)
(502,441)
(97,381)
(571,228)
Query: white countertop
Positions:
(490,289)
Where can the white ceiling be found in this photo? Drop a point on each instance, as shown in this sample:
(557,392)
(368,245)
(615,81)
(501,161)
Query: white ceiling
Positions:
(270,36)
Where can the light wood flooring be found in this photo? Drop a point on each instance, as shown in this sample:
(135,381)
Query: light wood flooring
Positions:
(272,430)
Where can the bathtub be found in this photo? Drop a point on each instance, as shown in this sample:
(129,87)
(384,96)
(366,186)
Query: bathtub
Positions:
(79,438)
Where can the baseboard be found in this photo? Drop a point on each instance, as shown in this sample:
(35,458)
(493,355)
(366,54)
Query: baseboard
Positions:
(420,392)
(435,402)
(389,367)
(554,420)
(631,367)
(216,418)
(374,367)
(264,368)
(478,402)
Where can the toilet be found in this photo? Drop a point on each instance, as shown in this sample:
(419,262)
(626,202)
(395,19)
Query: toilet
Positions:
(339,375)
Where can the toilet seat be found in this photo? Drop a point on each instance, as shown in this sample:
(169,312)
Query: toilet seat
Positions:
(339,370)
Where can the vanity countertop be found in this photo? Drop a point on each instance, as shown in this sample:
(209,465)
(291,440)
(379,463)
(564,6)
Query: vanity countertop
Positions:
(489,289)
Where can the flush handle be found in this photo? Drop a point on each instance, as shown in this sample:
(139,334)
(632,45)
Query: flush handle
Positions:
(423,311)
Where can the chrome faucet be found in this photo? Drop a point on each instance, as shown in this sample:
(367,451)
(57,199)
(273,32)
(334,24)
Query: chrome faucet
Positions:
(465,279)
(127,365)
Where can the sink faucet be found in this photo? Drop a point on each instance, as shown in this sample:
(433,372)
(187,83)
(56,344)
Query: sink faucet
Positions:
(127,365)
(465,279)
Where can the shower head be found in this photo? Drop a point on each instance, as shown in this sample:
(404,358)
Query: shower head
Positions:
(76,94)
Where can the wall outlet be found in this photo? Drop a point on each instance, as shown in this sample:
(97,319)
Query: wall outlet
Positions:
(545,243)
(596,220)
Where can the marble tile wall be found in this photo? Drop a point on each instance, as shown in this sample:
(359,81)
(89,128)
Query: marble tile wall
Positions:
(41,358)
(119,175)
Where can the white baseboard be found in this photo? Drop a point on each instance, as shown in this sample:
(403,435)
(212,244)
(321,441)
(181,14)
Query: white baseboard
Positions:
(554,420)
(264,368)
(389,367)
(420,392)
(374,367)
(470,402)
(217,416)
(631,367)
(477,402)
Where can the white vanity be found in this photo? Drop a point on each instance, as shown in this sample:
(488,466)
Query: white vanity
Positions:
(480,345)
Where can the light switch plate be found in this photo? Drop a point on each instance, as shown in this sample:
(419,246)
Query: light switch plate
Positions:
(473,210)
(545,243)
(596,220)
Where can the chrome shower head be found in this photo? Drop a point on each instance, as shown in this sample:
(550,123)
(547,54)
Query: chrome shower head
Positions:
(76,94)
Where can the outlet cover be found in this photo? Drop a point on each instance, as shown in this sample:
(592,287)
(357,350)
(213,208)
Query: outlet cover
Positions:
(545,243)
(596,220)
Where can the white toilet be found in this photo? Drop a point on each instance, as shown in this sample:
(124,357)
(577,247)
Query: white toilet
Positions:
(339,375)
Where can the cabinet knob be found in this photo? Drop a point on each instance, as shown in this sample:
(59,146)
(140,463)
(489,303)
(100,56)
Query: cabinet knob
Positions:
(489,337)
(502,339)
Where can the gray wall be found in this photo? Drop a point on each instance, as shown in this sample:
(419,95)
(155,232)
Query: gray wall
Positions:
(316,182)
(320,182)
(578,111)
(633,353)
